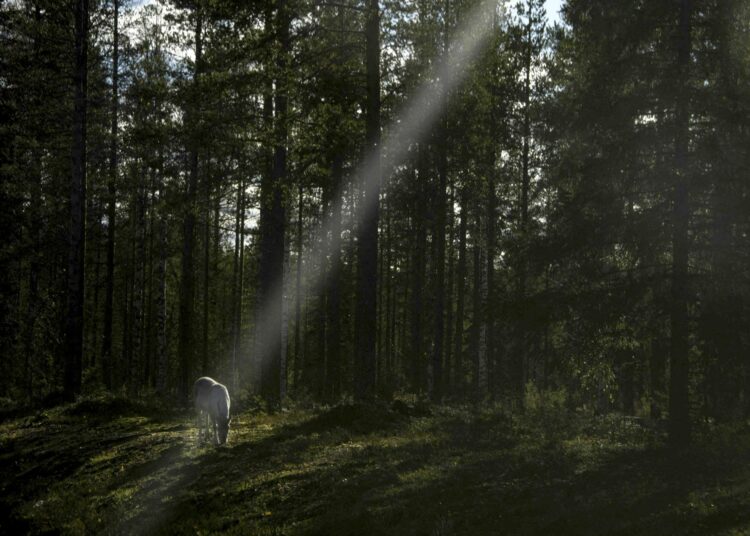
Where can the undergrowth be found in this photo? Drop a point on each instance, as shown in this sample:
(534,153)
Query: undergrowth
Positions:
(115,467)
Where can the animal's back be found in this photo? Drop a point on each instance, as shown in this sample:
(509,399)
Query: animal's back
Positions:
(220,399)
(202,392)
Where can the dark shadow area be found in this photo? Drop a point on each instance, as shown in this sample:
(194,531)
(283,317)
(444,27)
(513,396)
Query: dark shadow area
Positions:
(362,469)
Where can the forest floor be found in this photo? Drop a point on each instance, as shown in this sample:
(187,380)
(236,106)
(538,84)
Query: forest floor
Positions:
(112,467)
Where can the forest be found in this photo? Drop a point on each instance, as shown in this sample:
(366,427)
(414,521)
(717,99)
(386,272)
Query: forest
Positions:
(463,266)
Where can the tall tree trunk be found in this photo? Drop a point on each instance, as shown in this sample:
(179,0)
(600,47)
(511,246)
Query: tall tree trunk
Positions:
(449,295)
(679,403)
(185,345)
(477,317)
(367,245)
(333,300)
(206,276)
(458,338)
(318,366)
(439,330)
(73,349)
(111,205)
(272,223)
(238,280)
(418,276)
(137,358)
(298,353)
(492,365)
(161,308)
(390,296)
(518,369)
(161,282)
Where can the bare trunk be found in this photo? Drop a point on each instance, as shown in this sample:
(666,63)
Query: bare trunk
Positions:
(206,276)
(298,353)
(417,280)
(111,207)
(333,299)
(367,245)
(187,291)
(137,357)
(272,224)
(439,330)
(477,316)
(458,339)
(679,403)
(73,340)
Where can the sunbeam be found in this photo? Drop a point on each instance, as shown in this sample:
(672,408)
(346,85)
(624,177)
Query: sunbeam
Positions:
(417,116)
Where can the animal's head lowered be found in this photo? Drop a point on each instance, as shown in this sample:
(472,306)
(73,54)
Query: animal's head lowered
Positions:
(223,429)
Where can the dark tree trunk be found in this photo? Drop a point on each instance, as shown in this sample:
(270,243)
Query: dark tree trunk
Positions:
(367,245)
(161,308)
(439,330)
(206,277)
(73,347)
(139,238)
(477,316)
(657,373)
(272,223)
(448,361)
(333,300)
(111,206)
(520,361)
(458,339)
(186,341)
(238,280)
(417,280)
(679,403)
(492,365)
(390,312)
(298,353)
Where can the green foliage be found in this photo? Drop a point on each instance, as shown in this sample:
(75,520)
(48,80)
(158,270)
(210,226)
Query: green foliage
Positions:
(367,469)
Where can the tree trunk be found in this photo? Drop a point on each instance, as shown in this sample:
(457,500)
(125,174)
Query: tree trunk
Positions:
(333,300)
(187,291)
(161,305)
(111,206)
(679,403)
(298,353)
(477,317)
(518,369)
(206,276)
(238,278)
(367,245)
(73,345)
(492,365)
(136,360)
(447,381)
(419,263)
(458,338)
(439,330)
(272,223)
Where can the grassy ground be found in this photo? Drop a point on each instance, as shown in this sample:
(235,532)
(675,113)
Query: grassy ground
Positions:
(111,467)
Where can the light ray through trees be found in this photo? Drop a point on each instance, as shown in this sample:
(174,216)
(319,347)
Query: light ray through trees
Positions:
(411,124)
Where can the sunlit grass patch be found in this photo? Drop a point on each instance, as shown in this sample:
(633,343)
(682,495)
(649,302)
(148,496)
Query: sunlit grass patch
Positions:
(334,472)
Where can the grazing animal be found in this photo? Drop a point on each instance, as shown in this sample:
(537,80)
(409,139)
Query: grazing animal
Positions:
(212,404)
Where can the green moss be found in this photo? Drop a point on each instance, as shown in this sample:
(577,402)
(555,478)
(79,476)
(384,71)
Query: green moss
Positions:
(368,470)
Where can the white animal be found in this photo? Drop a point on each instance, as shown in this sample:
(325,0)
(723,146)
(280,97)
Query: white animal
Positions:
(212,405)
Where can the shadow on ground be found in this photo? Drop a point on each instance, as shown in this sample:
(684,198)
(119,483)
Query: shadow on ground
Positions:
(369,470)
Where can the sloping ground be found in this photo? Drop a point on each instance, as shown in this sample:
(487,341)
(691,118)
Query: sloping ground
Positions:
(365,470)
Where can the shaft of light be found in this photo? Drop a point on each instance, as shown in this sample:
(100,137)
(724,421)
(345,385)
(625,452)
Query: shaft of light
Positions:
(420,114)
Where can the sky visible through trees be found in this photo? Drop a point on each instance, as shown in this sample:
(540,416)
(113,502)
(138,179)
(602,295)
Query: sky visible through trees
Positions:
(372,200)
(463,266)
